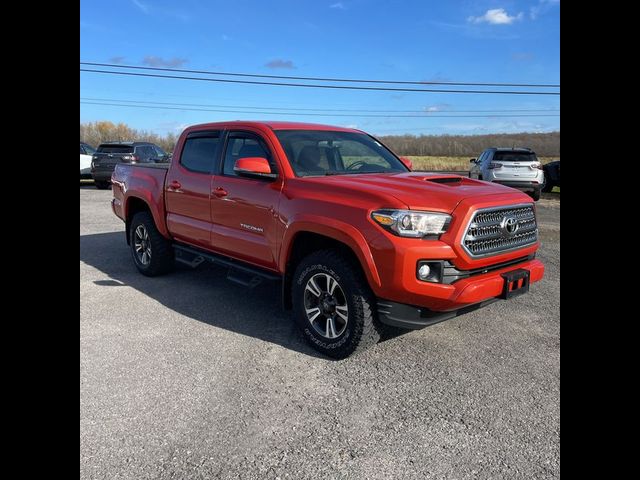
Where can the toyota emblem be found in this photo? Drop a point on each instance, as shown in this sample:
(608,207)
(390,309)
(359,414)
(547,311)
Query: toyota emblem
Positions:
(510,225)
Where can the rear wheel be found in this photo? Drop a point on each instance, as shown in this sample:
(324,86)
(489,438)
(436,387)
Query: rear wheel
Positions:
(101,185)
(152,253)
(333,305)
(535,194)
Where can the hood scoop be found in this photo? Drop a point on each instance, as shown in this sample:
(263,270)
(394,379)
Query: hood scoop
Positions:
(445,179)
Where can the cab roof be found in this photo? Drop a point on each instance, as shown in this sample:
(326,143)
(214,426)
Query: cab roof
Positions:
(275,125)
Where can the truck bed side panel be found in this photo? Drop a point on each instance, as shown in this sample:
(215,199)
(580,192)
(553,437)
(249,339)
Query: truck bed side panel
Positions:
(134,183)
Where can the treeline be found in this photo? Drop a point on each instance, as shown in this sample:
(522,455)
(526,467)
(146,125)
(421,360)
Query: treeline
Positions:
(95,133)
(544,144)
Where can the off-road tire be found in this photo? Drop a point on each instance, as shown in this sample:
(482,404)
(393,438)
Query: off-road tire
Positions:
(161,258)
(362,328)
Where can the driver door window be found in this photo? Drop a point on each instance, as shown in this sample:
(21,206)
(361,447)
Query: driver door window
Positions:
(242,145)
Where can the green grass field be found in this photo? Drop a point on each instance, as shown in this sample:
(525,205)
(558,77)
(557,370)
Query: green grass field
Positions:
(452,163)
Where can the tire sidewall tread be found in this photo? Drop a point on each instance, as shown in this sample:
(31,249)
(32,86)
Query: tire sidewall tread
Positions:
(162,258)
(362,328)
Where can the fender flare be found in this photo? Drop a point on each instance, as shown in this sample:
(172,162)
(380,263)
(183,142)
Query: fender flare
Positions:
(152,205)
(336,229)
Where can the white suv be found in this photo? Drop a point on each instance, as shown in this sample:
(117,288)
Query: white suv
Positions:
(86,152)
(515,167)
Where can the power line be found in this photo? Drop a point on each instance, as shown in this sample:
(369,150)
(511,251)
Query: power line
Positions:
(426,112)
(339,87)
(321,79)
(307,114)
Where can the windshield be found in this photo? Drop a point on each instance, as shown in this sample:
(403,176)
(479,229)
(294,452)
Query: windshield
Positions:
(88,149)
(515,157)
(318,152)
(115,149)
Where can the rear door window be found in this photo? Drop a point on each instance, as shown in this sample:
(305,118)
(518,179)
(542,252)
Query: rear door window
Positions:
(145,152)
(199,152)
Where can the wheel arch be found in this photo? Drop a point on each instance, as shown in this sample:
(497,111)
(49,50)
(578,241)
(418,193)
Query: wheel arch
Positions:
(310,235)
(132,206)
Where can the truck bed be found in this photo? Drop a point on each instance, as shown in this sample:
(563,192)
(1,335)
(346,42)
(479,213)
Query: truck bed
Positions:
(142,180)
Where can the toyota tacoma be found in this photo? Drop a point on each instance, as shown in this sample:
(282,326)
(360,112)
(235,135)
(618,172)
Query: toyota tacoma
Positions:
(360,243)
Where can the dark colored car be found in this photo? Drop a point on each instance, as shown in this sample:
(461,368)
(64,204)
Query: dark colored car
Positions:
(551,176)
(109,154)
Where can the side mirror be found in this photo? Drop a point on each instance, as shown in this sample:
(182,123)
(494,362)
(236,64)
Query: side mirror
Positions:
(407,162)
(473,160)
(255,167)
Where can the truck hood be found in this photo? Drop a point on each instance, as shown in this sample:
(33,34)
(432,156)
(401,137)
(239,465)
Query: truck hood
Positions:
(419,190)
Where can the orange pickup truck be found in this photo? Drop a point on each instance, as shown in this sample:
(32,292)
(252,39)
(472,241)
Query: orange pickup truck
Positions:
(359,242)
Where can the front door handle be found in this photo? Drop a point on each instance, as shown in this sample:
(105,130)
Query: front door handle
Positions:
(220,192)
(175,185)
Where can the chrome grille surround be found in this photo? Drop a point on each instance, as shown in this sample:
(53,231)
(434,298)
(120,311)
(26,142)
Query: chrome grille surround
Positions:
(487,234)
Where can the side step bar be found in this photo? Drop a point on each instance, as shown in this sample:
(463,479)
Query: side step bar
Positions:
(242,273)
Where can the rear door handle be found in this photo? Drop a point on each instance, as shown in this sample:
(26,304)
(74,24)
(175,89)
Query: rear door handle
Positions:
(175,185)
(220,192)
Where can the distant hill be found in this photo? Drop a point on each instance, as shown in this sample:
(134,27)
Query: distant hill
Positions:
(544,144)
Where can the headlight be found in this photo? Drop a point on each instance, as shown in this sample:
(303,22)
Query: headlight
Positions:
(412,223)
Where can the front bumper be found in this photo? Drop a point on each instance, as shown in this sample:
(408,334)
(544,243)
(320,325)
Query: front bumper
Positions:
(520,184)
(400,284)
(413,318)
(468,295)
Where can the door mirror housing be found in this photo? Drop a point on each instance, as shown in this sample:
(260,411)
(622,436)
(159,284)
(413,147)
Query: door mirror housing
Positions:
(254,167)
(407,162)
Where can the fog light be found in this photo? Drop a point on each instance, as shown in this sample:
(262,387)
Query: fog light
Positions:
(424,271)
(430,271)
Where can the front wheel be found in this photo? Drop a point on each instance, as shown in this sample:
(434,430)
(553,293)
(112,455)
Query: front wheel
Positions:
(101,185)
(152,253)
(333,305)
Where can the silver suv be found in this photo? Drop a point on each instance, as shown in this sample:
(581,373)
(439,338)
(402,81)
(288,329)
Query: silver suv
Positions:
(515,167)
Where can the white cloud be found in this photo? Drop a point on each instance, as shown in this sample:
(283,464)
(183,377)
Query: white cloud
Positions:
(142,6)
(541,7)
(436,108)
(338,5)
(496,16)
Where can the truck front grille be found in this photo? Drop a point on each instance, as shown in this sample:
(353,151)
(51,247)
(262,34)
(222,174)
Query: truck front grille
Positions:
(500,229)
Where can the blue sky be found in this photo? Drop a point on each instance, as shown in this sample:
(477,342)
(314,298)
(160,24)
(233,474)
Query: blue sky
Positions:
(462,41)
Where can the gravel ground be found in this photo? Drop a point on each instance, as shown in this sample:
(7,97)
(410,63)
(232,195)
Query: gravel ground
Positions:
(191,376)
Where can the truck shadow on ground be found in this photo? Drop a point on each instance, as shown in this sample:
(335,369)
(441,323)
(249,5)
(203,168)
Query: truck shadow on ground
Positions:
(203,294)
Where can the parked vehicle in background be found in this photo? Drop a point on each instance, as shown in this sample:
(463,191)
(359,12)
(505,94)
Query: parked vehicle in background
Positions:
(551,176)
(514,167)
(110,154)
(359,243)
(86,152)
